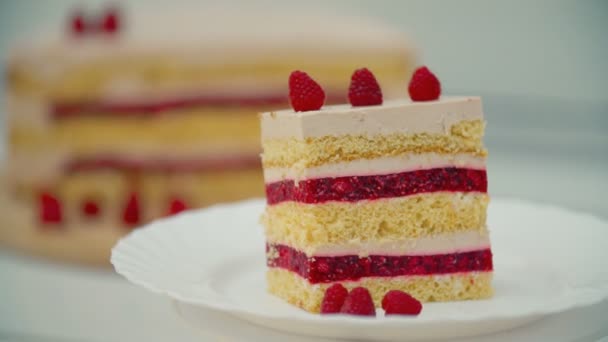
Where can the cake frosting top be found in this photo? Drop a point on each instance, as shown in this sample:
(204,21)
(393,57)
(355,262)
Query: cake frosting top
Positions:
(396,116)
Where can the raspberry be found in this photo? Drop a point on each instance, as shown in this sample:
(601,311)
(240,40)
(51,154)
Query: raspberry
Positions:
(90,208)
(305,94)
(176,206)
(130,215)
(397,302)
(111,21)
(50,209)
(333,299)
(364,90)
(359,302)
(424,85)
(78,24)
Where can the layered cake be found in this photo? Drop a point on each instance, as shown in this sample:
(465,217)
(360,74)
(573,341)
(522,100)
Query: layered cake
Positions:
(117,119)
(391,196)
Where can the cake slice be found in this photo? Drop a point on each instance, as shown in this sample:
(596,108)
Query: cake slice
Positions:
(388,197)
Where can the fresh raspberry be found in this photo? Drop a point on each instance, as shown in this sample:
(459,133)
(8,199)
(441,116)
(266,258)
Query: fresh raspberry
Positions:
(333,299)
(78,25)
(111,21)
(397,302)
(176,206)
(364,90)
(359,302)
(130,215)
(424,85)
(90,208)
(305,94)
(50,208)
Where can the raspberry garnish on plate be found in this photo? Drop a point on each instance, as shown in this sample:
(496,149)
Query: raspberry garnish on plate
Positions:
(424,85)
(304,93)
(333,299)
(359,302)
(364,90)
(397,302)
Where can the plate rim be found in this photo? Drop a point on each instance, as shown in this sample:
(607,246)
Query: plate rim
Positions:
(227,306)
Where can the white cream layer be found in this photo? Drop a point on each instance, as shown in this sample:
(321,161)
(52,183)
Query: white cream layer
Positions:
(448,243)
(397,116)
(378,166)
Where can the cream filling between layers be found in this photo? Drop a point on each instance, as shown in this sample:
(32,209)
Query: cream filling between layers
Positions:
(378,166)
(397,116)
(448,243)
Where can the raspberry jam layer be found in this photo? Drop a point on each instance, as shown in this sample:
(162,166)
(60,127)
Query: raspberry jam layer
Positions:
(64,110)
(356,188)
(71,109)
(353,267)
(110,162)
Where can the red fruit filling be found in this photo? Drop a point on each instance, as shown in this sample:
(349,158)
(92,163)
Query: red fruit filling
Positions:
(359,302)
(66,110)
(63,110)
(50,211)
(131,215)
(304,93)
(353,267)
(333,299)
(90,208)
(110,162)
(356,188)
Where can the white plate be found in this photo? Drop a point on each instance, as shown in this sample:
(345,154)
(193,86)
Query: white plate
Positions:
(547,260)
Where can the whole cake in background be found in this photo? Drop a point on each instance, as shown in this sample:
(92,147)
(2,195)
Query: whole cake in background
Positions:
(126,117)
(380,194)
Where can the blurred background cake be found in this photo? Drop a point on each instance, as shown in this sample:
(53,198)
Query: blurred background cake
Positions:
(115,120)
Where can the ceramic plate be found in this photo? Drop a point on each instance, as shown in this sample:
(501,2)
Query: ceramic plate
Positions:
(547,260)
